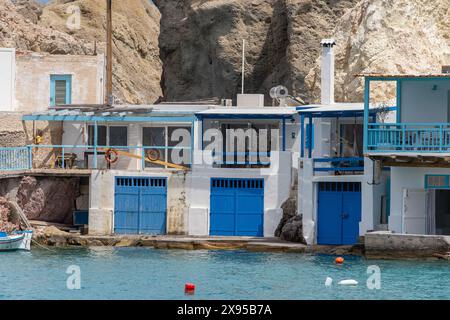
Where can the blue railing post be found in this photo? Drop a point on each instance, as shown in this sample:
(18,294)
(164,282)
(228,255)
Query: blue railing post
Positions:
(403,128)
(143,158)
(63,161)
(366,112)
(30,157)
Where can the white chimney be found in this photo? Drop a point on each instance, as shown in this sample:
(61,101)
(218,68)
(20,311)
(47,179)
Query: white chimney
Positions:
(327,72)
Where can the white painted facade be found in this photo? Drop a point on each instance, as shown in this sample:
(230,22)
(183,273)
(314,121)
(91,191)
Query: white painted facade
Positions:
(412,206)
(7,78)
(25,79)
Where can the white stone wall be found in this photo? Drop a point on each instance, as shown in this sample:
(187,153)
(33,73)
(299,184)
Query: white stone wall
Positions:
(406,178)
(101,204)
(277,182)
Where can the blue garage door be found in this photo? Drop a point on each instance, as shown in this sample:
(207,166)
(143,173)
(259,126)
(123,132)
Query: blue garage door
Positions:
(237,207)
(339,213)
(140,205)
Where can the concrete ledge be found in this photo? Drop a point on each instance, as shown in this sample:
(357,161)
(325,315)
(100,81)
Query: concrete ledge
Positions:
(387,245)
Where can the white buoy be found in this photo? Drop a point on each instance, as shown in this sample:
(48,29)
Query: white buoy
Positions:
(328,282)
(349,282)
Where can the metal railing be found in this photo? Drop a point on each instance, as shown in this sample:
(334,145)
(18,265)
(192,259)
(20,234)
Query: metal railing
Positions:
(81,156)
(15,158)
(404,137)
(350,164)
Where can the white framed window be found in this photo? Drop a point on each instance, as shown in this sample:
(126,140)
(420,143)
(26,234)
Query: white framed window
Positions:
(169,142)
(109,135)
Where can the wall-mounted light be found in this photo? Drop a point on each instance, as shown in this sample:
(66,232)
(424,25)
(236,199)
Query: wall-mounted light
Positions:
(435,87)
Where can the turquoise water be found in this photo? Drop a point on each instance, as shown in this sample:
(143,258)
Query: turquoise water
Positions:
(145,273)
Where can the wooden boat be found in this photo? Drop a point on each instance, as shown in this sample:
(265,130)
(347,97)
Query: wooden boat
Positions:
(18,240)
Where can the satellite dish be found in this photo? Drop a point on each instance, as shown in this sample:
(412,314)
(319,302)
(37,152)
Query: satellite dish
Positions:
(279,93)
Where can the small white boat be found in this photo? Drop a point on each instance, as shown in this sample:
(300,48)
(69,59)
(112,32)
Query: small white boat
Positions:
(18,240)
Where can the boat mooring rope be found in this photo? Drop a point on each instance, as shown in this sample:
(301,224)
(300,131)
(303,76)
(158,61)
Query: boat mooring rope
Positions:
(42,246)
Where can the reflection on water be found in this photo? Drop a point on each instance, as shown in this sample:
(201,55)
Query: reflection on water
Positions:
(145,273)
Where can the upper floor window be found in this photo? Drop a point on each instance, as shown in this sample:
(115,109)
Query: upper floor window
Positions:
(60,90)
(116,136)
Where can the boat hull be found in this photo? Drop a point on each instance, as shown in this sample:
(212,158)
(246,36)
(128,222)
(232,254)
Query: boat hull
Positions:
(18,241)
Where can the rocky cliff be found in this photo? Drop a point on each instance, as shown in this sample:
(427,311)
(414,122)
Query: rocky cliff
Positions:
(191,49)
(201,43)
(384,36)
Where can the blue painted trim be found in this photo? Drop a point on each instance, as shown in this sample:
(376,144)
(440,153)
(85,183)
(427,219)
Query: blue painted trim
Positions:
(446,184)
(366,112)
(244,116)
(79,118)
(407,79)
(399,101)
(68,79)
(302,136)
(310,133)
(95,143)
(284,134)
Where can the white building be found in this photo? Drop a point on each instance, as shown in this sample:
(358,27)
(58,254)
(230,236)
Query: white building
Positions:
(416,147)
(339,198)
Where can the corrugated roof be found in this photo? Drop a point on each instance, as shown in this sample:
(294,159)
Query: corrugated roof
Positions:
(395,76)
(251,111)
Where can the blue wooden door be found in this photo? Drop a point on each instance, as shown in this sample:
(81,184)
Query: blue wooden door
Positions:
(237,207)
(339,213)
(140,205)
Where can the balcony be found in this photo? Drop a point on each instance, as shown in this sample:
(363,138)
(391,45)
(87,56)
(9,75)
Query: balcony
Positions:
(83,157)
(408,137)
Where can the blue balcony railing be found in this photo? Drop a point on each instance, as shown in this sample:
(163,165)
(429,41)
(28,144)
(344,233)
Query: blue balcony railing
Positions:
(339,165)
(17,158)
(408,137)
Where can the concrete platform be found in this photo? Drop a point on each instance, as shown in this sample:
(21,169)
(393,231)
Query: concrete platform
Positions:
(52,237)
(388,245)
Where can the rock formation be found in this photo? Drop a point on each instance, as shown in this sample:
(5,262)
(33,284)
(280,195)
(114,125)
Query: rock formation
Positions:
(49,199)
(5,217)
(201,43)
(383,36)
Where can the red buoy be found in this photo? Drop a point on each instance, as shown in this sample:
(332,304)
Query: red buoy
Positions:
(339,260)
(189,288)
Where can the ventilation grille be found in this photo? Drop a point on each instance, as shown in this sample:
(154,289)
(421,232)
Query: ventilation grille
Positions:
(437,181)
(340,186)
(141,182)
(238,183)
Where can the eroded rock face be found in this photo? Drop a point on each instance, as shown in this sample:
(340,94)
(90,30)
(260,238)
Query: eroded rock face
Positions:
(201,44)
(384,36)
(5,217)
(48,199)
(290,227)
(137,67)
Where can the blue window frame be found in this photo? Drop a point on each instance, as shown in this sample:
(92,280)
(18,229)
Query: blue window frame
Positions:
(60,90)
(437,181)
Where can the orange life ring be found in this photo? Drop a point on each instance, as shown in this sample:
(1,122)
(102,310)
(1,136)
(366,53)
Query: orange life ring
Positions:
(108,154)
(153,154)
